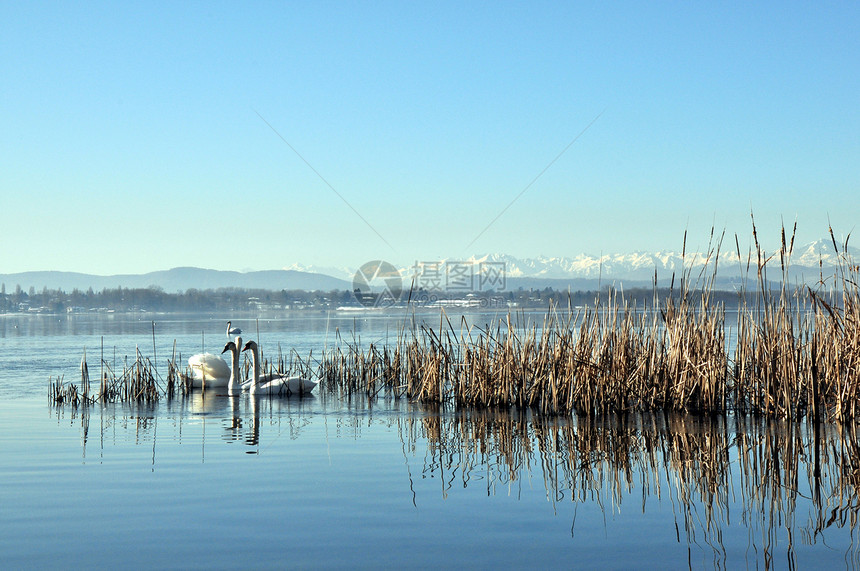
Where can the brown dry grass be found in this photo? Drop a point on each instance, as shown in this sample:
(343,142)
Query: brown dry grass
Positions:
(797,352)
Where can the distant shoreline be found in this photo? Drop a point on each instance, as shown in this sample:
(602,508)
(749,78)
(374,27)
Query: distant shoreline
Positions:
(256,303)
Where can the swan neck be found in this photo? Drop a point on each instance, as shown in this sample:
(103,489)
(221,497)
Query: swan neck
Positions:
(255,358)
(234,369)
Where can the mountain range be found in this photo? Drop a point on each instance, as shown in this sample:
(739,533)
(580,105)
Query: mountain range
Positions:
(587,272)
(177,279)
(582,272)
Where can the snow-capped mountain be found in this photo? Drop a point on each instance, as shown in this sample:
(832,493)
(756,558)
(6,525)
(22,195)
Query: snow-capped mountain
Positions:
(642,265)
(340,272)
(807,263)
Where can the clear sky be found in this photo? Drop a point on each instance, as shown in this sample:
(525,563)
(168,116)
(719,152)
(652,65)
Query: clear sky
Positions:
(130,139)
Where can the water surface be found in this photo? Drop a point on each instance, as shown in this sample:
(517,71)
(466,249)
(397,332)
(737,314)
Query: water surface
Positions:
(214,481)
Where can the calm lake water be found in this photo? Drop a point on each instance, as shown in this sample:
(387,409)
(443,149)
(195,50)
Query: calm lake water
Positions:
(212,481)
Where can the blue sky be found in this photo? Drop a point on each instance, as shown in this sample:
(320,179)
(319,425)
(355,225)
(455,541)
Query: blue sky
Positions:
(130,139)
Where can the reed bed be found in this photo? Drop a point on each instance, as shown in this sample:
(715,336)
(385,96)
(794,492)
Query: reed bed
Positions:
(138,382)
(796,353)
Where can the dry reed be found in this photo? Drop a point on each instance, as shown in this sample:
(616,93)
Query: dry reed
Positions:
(797,352)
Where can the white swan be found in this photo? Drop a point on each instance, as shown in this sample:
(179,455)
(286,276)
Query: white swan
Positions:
(232,330)
(274,384)
(234,384)
(208,370)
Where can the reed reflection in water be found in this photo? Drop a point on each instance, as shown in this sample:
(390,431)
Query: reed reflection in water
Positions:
(742,490)
(706,467)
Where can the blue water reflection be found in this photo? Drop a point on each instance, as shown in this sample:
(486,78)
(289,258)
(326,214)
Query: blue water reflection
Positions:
(406,485)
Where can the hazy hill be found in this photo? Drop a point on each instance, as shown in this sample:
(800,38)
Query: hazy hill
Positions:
(177,279)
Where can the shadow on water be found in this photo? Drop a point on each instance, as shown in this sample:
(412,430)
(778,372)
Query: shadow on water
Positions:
(783,484)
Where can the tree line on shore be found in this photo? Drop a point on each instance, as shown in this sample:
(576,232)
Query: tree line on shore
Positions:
(154,298)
